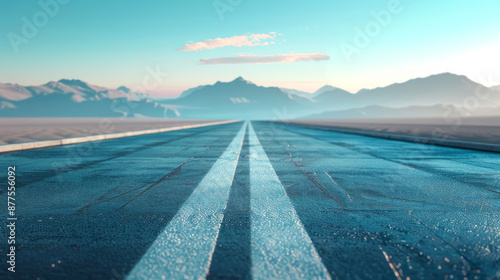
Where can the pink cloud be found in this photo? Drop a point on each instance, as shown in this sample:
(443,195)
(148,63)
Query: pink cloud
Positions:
(235,41)
(266,59)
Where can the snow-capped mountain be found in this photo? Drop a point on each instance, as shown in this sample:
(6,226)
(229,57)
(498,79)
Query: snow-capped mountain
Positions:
(75,98)
(13,92)
(242,99)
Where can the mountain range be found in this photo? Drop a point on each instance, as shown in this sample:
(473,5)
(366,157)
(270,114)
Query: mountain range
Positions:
(75,98)
(241,99)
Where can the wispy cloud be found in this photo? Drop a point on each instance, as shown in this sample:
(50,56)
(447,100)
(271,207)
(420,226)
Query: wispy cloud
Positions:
(235,41)
(266,59)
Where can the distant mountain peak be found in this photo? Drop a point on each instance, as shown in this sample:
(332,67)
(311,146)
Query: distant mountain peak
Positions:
(241,80)
(238,81)
(326,88)
(445,77)
(329,88)
(72,82)
(447,74)
(75,83)
(124,89)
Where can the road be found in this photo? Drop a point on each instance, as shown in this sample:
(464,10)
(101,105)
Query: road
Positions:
(255,200)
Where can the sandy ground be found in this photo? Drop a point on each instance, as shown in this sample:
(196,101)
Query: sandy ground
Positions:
(20,130)
(482,130)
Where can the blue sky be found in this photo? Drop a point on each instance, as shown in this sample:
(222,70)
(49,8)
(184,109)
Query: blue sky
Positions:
(294,44)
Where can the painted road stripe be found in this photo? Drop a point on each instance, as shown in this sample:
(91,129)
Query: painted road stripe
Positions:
(281,247)
(184,249)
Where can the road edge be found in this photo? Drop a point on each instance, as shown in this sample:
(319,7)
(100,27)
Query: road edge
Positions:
(484,147)
(82,139)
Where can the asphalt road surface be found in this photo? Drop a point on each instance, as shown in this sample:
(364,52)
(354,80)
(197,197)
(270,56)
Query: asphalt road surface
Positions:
(254,201)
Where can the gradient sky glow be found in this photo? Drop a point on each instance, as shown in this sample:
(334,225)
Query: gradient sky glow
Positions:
(293,44)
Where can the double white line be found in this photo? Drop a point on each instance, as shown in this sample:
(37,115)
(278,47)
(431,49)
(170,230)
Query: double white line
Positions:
(281,248)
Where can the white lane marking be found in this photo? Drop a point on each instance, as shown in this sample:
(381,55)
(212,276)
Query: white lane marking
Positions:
(281,247)
(184,249)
